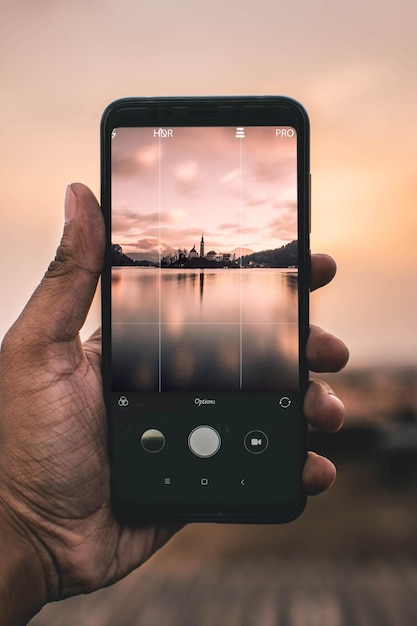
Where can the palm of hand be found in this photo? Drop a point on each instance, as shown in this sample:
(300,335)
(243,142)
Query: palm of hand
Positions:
(65,512)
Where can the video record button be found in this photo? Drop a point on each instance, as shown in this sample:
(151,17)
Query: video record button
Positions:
(256,442)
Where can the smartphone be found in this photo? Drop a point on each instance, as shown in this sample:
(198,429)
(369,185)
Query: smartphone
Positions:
(205,294)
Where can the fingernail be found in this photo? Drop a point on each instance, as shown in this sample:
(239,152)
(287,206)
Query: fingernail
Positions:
(70,204)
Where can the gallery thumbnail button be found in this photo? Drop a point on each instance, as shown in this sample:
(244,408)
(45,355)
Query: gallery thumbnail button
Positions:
(152,440)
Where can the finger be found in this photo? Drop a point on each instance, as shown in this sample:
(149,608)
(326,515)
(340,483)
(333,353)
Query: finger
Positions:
(322,408)
(58,308)
(95,338)
(323,269)
(318,474)
(92,350)
(325,352)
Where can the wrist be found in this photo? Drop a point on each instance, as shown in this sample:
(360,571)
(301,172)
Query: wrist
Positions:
(23,590)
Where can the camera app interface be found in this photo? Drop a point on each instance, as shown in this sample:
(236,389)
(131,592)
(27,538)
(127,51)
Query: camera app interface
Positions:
(204,261)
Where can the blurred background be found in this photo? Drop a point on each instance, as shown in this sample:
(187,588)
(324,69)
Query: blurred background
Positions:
(352,557)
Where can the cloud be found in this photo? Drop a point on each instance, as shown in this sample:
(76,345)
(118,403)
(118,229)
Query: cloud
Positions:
(286,205)
(236,229)
(186,175)
(233,226)
(148,156)
(258,198)
(284,227)
(176,215)
(123,217)
(145,243)
(231,176)
(276,171)
(126,220)
(142,161)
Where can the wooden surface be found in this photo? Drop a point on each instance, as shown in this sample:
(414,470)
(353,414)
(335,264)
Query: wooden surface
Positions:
(301,592)
(349,560)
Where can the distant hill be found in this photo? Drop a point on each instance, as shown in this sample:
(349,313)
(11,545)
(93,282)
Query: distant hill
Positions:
(150,249)
(286,256)
(238,252)
(118,258)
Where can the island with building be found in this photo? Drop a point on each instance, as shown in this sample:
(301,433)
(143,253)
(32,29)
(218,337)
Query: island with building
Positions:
(155,254)
(201,259)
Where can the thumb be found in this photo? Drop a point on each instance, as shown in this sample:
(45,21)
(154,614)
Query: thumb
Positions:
(59,306)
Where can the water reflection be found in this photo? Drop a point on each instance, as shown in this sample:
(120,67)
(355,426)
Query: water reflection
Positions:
(201,286)
(204,330)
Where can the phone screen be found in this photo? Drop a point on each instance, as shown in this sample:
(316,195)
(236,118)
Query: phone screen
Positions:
(204,319)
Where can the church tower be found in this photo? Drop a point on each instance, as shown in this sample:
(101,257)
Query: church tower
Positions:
(202,247)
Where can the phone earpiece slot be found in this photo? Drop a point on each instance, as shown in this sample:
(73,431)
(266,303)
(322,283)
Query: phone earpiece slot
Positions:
(202,113)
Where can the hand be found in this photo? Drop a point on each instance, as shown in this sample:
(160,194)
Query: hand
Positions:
(322,408)
(55,515)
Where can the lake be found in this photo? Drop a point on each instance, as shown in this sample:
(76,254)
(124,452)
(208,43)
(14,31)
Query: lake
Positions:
(204,329)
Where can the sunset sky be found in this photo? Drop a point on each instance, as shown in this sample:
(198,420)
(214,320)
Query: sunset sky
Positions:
(238,193)
(352,64)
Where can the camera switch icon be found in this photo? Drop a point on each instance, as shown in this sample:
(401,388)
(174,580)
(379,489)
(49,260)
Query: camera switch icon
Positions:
(285,402)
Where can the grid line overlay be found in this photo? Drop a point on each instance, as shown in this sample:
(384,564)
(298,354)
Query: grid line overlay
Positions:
(240,263)
(159,269)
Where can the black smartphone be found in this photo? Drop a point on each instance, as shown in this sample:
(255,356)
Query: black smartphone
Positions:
(205,296)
